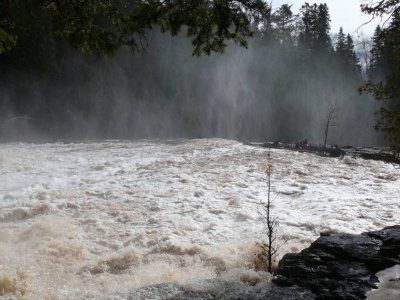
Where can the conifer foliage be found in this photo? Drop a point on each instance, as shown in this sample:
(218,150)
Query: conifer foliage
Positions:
(384,69)
(278,89)
(102,27)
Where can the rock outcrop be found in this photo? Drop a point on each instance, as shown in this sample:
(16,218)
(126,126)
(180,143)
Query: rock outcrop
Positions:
(340,266)
(376,153)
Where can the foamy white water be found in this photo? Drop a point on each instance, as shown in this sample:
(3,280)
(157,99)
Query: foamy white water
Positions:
(84,220)
(389,285)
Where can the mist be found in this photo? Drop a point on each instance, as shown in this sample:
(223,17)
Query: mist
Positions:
(270,91)
(154,174)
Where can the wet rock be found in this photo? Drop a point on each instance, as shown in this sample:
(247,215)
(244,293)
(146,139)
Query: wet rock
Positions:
(340,266)
(382,154)
(198,194)
(152,221)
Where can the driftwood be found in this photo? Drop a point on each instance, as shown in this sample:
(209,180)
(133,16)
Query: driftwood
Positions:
(374,153)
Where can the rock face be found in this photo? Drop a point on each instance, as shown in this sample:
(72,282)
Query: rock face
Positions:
(339,266)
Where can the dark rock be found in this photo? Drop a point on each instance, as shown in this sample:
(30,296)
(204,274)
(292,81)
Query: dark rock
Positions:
(382,154)
(340,266)
(289,293)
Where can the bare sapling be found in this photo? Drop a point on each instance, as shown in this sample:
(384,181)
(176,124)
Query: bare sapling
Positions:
(269,248)
(330,120)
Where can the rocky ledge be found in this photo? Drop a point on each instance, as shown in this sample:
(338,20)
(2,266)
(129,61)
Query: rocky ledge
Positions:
(373,153)
(339,266)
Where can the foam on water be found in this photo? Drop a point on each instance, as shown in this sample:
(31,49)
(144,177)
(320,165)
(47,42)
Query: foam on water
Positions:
(389,285)
(85,220)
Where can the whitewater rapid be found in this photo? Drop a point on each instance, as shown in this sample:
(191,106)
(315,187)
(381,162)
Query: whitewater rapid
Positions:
(87,220)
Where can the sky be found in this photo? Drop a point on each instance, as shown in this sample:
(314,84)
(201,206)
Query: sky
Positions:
(344,13)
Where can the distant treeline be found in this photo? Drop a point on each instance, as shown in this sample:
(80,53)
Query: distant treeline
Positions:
(281,88)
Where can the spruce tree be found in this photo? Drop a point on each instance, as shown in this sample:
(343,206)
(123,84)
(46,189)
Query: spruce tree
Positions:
(283,20)
(323,27)
(314,27)
(377,65)
(308,15)
(351,57)
(384,82)
(340,46)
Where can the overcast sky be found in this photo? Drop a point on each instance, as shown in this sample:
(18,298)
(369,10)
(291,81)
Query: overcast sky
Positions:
(345,13)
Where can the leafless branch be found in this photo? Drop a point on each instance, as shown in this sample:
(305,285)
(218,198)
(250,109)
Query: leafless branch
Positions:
(330,120)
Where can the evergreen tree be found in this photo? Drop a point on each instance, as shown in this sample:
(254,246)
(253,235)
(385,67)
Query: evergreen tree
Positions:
(344,49)
(377,64)
(307,30)
(323,27)
(314,27)
(341,46)
(283,20)
(266,30)
(351,57)
(384,75)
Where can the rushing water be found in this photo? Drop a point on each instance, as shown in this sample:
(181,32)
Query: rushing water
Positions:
(87,220)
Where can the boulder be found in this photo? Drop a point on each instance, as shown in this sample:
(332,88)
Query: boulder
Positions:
(340,266)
